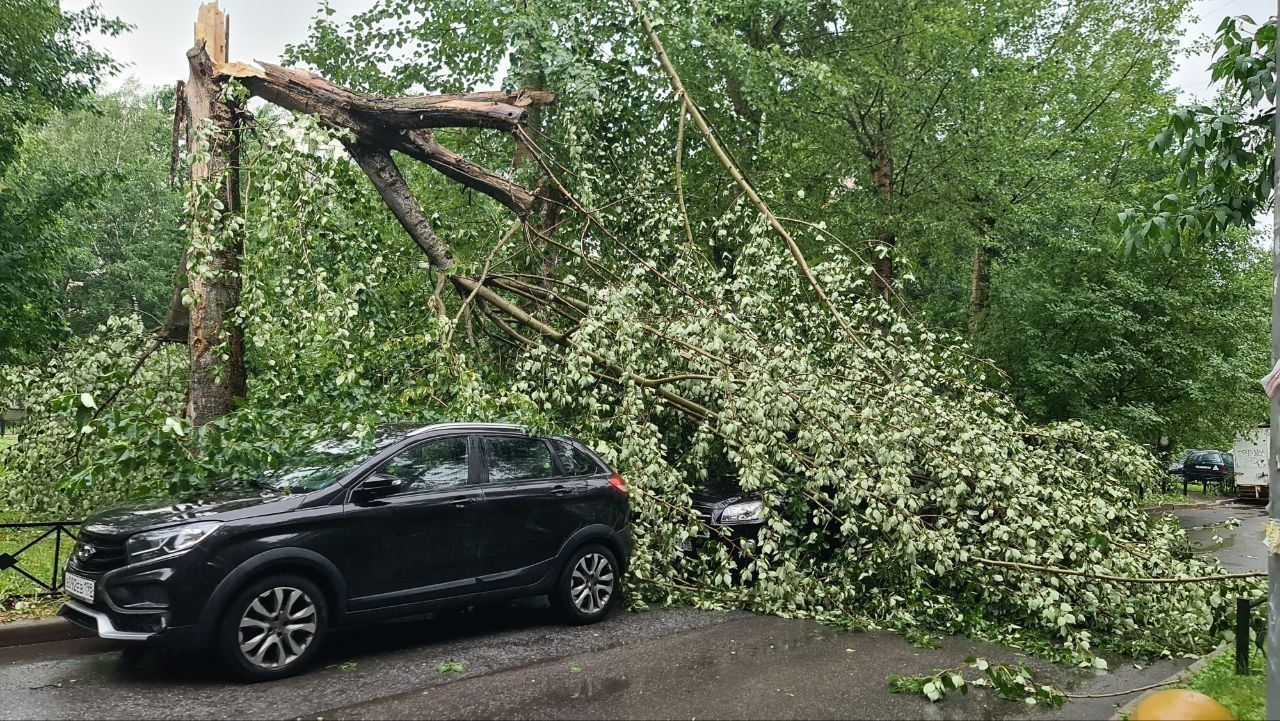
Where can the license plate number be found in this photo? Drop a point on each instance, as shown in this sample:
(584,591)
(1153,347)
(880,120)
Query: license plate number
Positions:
(77,587)
(1202,468)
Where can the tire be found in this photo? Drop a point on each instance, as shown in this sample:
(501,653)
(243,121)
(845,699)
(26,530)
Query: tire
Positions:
(282,649)
(586,589)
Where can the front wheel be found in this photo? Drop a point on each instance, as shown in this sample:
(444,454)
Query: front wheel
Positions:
(273,628)
(588,586)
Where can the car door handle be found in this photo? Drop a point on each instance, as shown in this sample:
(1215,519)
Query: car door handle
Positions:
(560,490)
(462,501)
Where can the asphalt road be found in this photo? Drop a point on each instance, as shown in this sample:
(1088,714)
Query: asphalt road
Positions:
(520,663)
(676,663)
(752,667)
(89,678)
(1240,549)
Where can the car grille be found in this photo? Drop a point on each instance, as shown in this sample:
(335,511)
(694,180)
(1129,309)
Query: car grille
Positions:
(79,618)
(148,623)
(98,554)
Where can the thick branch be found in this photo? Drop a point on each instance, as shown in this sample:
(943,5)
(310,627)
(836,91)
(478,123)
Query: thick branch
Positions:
(400,124)
(386,177)
(1109,577)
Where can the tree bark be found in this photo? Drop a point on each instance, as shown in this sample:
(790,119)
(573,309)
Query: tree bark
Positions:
(215,342)
(882,177)
(980,281)
(979,289)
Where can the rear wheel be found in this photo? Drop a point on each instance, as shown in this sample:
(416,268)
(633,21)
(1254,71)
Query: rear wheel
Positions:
(589,585)
(273,628)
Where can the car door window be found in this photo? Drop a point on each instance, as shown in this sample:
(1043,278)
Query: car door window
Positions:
(516,458)
(575,461)
(430,466)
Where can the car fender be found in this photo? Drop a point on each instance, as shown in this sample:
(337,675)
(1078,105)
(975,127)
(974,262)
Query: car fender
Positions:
(586,534)
(281,557)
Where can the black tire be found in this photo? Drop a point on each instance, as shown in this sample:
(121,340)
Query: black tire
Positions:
(294,646)
(586,590)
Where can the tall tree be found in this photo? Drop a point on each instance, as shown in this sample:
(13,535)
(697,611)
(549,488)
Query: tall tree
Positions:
(47,64)
(122,233)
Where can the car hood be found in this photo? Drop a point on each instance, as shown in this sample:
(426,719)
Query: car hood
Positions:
(161,512)
(717,500)
(709,504)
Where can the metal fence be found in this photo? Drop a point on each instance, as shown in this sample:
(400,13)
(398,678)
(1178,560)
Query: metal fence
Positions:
(47,581)
(1246,622)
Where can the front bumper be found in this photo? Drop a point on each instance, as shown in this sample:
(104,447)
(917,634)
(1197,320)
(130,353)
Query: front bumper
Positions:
(102,623)
(717,532)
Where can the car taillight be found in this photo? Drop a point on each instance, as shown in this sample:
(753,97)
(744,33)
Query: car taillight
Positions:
(618,484)
(1217,468)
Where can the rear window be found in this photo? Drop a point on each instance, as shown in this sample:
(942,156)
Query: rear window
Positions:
(517,458)
(1204,457)
(576,461)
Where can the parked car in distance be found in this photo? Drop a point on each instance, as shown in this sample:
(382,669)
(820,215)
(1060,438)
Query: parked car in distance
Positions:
(422,518)
(1211,469)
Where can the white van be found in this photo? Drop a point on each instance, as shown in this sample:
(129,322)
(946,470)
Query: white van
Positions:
(1250,453)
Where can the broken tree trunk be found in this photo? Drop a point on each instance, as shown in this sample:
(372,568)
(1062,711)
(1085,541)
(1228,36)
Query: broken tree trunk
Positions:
(215,342)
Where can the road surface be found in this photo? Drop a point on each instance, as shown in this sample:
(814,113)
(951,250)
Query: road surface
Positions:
(520,663)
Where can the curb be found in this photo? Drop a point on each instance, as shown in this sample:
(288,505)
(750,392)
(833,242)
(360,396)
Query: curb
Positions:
(1176,678)
(40,630)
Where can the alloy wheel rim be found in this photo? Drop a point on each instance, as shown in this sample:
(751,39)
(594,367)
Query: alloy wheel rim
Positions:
(591,585)
(277,627)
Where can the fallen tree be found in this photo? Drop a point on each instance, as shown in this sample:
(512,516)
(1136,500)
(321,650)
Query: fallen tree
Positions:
(899,488)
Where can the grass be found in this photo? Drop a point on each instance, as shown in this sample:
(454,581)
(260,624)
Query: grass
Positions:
(1172,498)
(37,560)
(1244,696)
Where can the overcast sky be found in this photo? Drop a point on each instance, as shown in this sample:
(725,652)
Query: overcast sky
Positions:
(155,50)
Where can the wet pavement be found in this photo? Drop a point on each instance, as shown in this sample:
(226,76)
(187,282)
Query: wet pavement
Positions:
(1240,549)
(88,678)
(753,667)
(520,663)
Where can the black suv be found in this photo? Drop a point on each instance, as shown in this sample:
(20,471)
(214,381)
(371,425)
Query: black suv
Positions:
(422,518)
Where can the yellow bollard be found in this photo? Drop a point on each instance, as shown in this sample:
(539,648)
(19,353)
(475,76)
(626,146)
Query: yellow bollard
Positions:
(1180,704)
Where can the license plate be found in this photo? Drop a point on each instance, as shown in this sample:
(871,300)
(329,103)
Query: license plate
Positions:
(77,587)
(1203,468)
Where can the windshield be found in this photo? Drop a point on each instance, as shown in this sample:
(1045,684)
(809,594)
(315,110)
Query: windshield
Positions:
(326,462)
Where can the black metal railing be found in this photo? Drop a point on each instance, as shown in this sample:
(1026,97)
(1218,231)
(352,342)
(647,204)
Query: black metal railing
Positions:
(48,582)
(1245,629)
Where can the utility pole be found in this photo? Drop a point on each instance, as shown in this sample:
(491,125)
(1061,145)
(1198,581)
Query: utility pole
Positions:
(1273,447)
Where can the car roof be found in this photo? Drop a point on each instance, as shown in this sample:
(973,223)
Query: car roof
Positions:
(414,429)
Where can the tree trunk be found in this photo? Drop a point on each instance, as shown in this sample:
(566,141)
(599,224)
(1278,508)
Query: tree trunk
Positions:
(980,282)
(882,176)
(979,290)
(215,342)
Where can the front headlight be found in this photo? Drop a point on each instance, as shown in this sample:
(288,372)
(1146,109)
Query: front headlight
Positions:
(167,541)
(741,512)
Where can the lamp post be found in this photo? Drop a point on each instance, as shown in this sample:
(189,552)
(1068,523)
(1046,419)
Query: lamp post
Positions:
(1273,560)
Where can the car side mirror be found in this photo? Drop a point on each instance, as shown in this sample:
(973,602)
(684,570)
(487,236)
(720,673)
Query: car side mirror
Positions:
(376,486)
